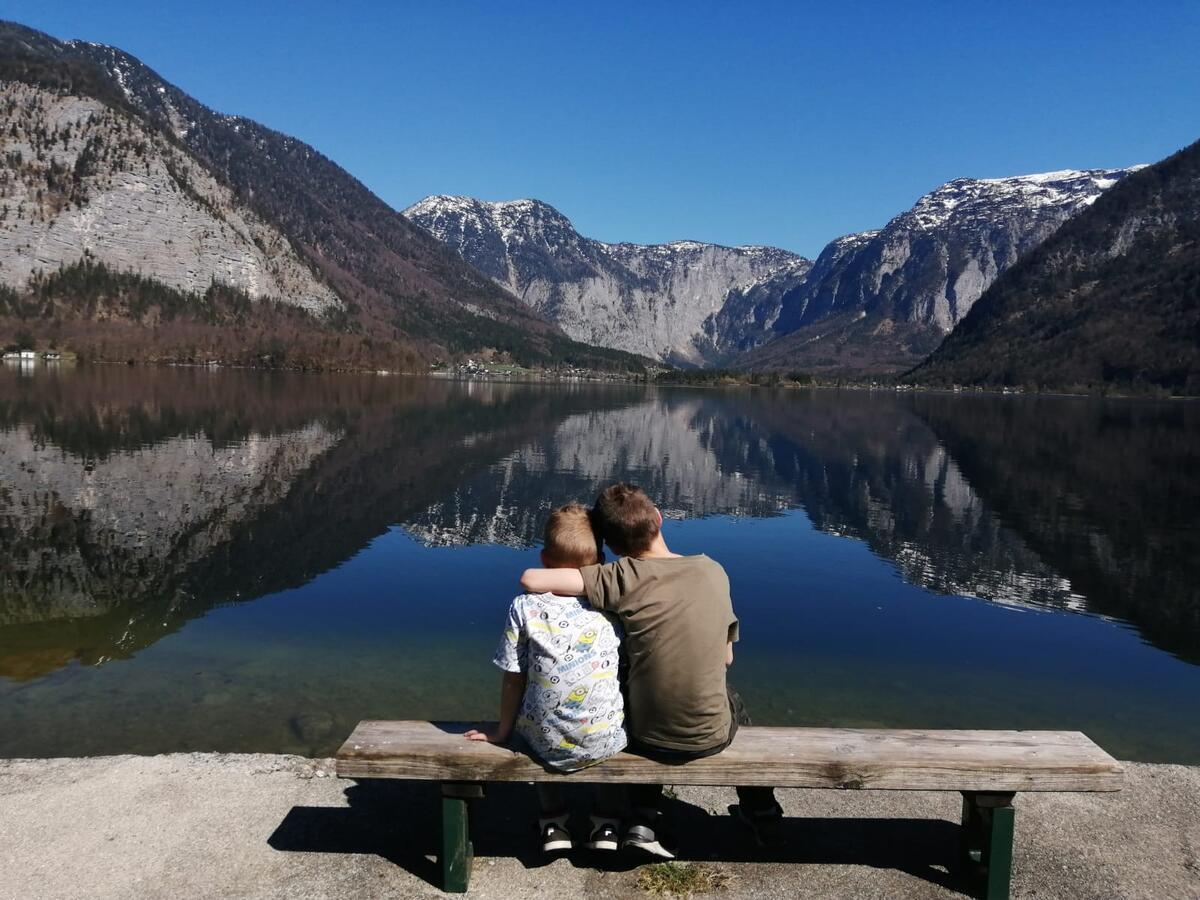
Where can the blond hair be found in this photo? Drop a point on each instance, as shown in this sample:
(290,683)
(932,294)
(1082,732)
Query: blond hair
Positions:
(569,539)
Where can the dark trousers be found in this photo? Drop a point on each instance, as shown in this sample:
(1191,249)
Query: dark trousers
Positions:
(649,796)
(609,800)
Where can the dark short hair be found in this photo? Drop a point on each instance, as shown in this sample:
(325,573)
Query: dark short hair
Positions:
(626,519)
(569,539)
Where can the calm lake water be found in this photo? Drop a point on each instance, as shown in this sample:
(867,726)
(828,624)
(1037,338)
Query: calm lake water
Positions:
(195,560)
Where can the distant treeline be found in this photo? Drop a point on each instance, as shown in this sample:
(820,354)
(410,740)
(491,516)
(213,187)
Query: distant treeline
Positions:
(711,377)
(102,314)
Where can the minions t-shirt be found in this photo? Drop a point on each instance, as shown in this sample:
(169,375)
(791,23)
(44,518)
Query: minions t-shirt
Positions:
(572,715)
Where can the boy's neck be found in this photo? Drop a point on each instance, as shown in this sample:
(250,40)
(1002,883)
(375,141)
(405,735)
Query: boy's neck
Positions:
(658,549)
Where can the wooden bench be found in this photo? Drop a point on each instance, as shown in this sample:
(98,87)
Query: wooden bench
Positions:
(987,767)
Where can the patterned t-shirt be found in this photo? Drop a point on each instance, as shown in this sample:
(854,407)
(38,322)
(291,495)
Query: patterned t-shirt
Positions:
(572,714)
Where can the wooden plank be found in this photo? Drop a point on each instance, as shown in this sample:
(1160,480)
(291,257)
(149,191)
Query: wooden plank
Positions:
(846,758)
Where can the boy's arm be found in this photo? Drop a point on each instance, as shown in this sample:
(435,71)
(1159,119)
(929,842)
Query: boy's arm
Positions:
(728,655)
(564,582)
(512,689)
(512,658)
(601,585)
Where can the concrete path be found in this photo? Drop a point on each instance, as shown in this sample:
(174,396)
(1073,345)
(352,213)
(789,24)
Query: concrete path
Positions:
(210,825)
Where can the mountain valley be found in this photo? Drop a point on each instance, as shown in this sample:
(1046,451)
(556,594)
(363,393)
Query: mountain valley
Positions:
(138,224)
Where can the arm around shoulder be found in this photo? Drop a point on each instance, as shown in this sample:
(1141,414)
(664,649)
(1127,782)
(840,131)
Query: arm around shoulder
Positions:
(565,582)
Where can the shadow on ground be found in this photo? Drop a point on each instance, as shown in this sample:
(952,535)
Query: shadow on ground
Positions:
(399,821)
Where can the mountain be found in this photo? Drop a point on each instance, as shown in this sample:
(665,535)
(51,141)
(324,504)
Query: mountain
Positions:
(1112,299)
(881,301)
(686,301)
(150,201)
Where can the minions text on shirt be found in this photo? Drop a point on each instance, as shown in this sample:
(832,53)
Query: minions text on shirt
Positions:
(572,714)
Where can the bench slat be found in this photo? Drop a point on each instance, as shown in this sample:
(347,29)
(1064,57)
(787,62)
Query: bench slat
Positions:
(997,761)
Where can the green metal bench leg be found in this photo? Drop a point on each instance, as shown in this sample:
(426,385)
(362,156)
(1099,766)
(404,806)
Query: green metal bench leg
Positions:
(457,852)
(998,851)
(971,837)
(987,842)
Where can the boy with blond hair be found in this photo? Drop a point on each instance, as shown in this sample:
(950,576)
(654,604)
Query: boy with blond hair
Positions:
(560,692)
(680,630)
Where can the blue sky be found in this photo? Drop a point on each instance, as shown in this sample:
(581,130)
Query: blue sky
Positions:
(773,123)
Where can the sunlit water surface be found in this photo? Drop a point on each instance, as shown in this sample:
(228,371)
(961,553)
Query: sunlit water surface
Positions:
(195,560)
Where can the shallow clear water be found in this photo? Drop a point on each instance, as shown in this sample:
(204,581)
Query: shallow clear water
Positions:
(194,560)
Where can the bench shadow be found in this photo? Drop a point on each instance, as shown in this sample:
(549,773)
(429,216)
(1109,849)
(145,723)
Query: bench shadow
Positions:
(398,821)
(924,848)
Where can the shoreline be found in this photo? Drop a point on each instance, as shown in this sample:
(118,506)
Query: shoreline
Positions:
(520,375)
(262,825)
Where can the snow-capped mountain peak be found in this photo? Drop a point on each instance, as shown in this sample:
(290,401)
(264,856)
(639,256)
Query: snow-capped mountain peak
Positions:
(661,300)
(880,301)
(966,198)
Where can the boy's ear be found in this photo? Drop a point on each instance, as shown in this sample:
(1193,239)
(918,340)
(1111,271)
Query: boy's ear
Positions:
(658,517)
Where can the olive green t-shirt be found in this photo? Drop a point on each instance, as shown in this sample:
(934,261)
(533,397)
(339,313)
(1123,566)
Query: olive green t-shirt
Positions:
(678,618)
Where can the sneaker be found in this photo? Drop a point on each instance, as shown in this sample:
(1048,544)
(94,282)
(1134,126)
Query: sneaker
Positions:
(605,834)
(642,836)
(555,837)
(766,826)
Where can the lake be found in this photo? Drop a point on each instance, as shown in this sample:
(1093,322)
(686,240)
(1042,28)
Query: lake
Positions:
(237,561)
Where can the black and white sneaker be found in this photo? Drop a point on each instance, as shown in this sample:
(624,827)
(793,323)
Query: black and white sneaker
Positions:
(643,836)
(555,837)
(605,834)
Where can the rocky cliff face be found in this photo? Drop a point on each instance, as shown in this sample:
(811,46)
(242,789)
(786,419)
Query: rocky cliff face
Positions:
(83,181)
(685,301)
(881,300)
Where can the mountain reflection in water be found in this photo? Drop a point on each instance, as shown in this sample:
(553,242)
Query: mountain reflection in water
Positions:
(134,501)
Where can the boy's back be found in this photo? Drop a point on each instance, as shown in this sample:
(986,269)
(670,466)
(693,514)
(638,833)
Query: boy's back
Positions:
(678,619)
(572,712)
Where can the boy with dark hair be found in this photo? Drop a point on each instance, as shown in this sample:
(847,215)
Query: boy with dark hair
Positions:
(560,692)
(679,634)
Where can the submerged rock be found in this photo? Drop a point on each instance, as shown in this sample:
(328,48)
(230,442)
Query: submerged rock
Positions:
(312,727)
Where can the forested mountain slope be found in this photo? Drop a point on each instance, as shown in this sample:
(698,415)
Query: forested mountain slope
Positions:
(1112,299)
(103,162)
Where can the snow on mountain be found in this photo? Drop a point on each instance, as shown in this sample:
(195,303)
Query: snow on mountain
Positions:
(882,300)
(664,301)
(974,198)
(1108,301)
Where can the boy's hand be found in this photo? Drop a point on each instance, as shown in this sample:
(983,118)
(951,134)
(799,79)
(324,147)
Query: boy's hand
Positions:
(492,735)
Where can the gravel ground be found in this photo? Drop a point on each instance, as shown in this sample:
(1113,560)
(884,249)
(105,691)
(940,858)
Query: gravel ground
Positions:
(212,825)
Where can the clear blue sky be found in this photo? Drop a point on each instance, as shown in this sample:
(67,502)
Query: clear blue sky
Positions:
(774,123)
